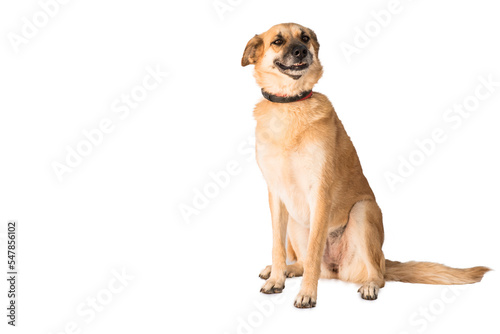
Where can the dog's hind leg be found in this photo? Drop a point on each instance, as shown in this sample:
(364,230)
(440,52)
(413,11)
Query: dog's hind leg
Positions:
(364,260)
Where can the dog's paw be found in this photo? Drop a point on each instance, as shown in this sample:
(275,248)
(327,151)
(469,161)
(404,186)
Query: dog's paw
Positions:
(305,300)
(265,273)
(292,270)
(369,291)
(273,286)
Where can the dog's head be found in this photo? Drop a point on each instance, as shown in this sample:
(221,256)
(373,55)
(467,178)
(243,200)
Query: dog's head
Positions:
(285,58)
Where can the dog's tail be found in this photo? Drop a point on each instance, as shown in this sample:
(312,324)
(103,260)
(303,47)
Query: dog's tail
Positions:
(431,273)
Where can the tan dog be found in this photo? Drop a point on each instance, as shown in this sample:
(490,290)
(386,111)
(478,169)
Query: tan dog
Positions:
(317,190)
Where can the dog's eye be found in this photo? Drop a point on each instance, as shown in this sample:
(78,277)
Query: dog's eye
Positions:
(279,41)
(305,39)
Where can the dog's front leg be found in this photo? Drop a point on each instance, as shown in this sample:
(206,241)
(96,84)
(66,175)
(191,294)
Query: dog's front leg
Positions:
(315,249)
(279,217)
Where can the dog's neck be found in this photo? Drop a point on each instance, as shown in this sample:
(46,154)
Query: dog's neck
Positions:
(281,85)
(282,98)
(278,84)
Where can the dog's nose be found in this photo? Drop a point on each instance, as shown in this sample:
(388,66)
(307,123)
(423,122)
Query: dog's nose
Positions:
(299,51)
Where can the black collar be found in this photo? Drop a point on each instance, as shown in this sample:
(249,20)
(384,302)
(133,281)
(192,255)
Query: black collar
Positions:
(286,99)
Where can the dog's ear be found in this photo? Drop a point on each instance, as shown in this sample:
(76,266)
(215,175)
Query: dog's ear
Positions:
(314,40)
(253,51)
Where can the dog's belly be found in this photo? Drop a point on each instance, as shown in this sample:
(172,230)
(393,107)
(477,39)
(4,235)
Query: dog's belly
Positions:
(335,249)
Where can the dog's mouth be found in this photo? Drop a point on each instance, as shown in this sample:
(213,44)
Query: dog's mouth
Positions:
(295,67)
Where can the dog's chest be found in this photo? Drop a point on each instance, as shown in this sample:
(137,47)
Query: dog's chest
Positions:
(293,172)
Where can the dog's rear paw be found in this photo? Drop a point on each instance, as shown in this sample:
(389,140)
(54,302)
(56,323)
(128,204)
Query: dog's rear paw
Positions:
(265,273)
(292,270)
(273,286)
(369,291)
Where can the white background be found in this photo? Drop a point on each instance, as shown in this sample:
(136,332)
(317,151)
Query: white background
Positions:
(119,209)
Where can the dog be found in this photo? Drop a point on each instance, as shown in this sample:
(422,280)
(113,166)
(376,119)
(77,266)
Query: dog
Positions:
(324,215)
